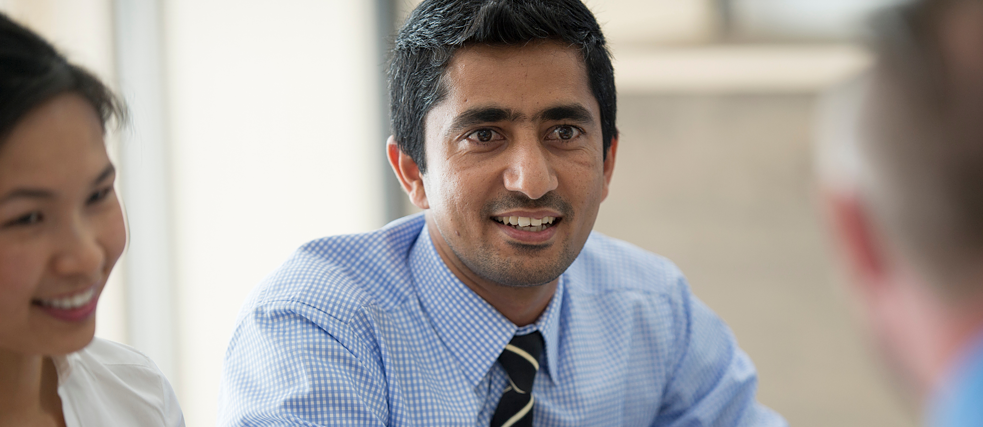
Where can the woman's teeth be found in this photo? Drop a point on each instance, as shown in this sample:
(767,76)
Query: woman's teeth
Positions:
(68,303)
(526,223)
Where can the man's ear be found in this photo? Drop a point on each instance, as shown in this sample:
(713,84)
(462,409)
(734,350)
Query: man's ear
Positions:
(858,242)
(609,165)
(408,174)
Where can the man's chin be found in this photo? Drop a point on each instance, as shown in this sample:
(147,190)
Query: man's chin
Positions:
(527,249)
(521,285)
(508,273)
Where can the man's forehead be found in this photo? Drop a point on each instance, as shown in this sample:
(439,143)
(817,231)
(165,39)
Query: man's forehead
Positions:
(491,71)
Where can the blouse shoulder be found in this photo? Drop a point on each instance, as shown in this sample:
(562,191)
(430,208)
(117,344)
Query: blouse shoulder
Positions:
(109,353)
(112,382)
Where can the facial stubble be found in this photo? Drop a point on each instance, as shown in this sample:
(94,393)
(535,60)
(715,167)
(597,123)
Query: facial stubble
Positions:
(510,270)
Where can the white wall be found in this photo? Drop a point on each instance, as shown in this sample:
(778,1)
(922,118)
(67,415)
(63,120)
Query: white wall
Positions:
(275,141)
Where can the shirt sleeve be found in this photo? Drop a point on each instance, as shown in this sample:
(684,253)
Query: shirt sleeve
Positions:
(714,382)
(288,364)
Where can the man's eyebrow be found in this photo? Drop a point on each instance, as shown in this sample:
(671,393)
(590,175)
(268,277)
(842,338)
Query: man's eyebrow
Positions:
(572,112)
(479,115)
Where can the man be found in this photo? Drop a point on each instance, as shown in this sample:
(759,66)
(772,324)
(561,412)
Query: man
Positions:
(497,306)
(903,175)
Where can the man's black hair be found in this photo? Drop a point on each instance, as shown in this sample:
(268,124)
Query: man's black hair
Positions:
(438,28)
(32,72)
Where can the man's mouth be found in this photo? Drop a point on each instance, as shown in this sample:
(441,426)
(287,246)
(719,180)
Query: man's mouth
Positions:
(527,223)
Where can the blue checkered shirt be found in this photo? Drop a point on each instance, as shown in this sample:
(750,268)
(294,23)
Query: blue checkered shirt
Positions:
(374,330)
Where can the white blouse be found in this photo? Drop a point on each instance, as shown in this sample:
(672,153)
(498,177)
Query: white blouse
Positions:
(109,384)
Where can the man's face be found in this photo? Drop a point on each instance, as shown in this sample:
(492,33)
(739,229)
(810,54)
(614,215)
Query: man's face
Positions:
(515,163)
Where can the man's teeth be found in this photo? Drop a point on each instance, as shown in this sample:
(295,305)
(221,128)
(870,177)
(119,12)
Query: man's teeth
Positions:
(71,302)
(526,223)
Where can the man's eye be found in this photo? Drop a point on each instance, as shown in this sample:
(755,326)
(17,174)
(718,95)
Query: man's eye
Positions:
(564,133)
(24,220)
(484,135)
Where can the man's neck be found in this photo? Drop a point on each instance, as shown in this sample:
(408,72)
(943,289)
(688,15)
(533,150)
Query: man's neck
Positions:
(522,306)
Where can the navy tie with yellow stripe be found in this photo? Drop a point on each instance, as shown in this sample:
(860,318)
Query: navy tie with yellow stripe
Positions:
(520,359)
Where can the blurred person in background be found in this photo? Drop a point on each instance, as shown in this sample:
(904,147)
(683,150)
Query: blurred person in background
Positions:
(497,305)
(902,171)
(61,232)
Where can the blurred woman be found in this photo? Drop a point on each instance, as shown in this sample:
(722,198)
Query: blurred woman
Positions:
(61,232)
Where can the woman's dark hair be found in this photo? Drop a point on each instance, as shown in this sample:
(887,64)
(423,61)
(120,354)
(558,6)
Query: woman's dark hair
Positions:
(437,28)
(32,72)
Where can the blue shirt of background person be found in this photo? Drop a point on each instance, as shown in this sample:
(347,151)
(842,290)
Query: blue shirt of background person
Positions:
(959,402)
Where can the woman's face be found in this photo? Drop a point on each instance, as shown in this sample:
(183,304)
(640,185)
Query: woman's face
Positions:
(61,227)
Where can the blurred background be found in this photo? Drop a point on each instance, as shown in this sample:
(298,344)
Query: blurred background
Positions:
(258,125)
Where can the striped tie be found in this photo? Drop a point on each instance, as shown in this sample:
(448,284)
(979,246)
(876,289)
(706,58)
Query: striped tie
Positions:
(521,361)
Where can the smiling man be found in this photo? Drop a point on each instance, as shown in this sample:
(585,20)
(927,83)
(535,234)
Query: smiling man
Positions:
(497,306)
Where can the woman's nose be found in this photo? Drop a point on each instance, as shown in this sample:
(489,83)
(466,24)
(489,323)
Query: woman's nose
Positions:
(79,252)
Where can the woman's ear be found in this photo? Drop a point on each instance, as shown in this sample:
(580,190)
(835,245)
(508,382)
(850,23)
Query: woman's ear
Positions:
(408,173)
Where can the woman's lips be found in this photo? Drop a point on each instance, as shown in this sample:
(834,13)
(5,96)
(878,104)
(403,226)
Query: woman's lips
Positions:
(73,308)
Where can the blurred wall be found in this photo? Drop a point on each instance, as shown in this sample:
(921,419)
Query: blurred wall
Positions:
(721,183)
(273,119)
(715,172)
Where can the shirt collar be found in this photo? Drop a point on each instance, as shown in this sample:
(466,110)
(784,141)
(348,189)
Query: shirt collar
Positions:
(63,366)
(473,330)
(548,324)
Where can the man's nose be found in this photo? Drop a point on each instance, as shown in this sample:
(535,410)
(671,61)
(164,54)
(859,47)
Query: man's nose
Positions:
(79,252)
(530,171)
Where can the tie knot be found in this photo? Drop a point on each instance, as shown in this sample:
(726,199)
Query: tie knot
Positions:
(520,359)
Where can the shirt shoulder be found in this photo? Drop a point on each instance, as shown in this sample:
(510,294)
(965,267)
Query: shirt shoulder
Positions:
(340,275)
(108,383)
(109,353)
(608,265)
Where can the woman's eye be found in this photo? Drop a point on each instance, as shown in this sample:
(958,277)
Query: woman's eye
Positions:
(564,133)
(28,219)
(99,195)
(484,135)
